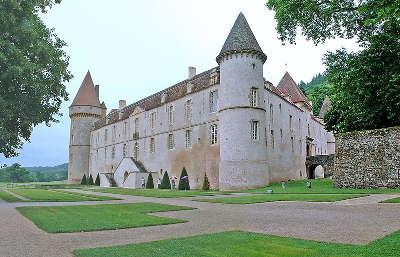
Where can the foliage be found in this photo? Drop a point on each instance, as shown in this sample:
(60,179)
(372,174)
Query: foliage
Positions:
(165,183)
(316,91)
(51,173)
(97,182)
(58,219)
(249,244)
(90,180)
(150,183)
(15,174)
(184,180)
(33,72)
(206,183)
(361,80)
(84,180)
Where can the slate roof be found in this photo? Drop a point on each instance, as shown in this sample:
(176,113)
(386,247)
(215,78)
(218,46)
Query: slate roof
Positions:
(289,88)
(86,95)
(177,91)
(241,40)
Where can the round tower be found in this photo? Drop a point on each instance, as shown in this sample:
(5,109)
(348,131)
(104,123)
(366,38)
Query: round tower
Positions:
(84,111)
(242,114)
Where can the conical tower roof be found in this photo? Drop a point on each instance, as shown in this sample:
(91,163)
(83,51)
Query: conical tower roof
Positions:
(241,40)
(290,88)
(86,95)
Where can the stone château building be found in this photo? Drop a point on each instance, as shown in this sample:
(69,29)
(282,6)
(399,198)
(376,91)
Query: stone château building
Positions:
(227,122)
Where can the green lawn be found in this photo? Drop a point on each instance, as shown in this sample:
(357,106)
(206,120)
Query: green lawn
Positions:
(239,244)
(8,197)
(160,193)
(319,186)
(260,198)
(393,200)
(61,219)
(43,195)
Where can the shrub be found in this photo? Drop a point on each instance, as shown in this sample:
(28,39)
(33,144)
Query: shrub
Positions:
(206,183)
(150,183)
(84,180)
(165,183)
(90,180)
(184,180)
(97,181)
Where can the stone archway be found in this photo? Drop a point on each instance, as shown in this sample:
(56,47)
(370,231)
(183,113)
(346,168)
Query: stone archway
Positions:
(326,161)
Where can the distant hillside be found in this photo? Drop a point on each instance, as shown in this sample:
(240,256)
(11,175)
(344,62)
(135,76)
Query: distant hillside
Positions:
(49,173)
(316,90)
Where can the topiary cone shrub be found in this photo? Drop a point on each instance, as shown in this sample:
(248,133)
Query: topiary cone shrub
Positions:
(97,181)
(184,180)
(90,180)
(165,183)
(84,180)
(150,183)
(206,183)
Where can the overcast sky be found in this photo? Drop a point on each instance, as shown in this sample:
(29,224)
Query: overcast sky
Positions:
(136,48)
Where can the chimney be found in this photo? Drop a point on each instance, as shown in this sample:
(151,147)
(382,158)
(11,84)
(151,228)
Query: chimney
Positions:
(122,104)
(192,72)
(96,88)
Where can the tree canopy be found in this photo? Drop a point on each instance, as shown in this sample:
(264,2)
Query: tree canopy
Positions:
(33,72)
(366,83)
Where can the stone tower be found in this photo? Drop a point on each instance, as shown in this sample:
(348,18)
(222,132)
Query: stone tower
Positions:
(242,114)
(84,111)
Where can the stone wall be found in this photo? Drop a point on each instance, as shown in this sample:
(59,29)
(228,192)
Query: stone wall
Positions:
(368,159)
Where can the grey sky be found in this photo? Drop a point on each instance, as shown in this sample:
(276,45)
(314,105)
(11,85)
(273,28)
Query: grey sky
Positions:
(136,48)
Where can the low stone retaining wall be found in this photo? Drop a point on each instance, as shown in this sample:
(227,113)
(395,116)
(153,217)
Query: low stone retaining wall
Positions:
(368,159)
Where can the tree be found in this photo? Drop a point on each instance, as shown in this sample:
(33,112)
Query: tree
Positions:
(365,84)
(97,182)
(33,72)
(150,183)
(184,180)
(206,183)
(165,183)
(84,180)
(90,180)
(15,174)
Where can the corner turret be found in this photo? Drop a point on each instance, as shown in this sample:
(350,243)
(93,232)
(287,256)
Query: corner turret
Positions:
(84,111)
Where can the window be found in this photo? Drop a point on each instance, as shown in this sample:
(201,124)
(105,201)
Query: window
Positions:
(136,125)
(114,132)
(171,142)
(152,145)
(124,150)
(255,130)
(290,122)
(113,152)
(136,151)
(125,127)
(105,135)
(280,107)
(292,143)
(213,134)
(271,113)
(171,115)
(188,110)
(254,97)
(153,120)
(272,139)
(188,138)
(281,131)
(213,100)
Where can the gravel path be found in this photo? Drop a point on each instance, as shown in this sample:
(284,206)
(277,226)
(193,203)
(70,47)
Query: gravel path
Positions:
(332,222)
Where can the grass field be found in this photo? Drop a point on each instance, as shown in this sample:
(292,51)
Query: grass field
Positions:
(61,219)
(393,200)
(238,244)
(43,195)
(260,198)
(8,197)
(160,193)
(319,186)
